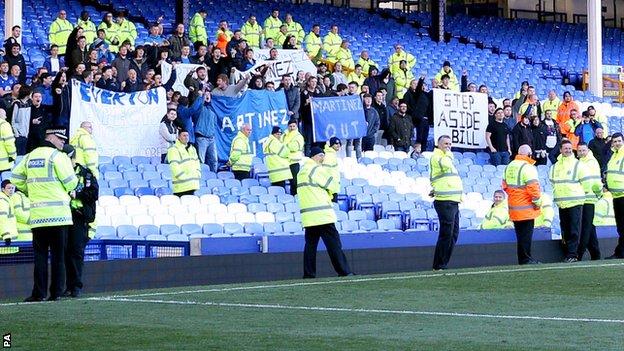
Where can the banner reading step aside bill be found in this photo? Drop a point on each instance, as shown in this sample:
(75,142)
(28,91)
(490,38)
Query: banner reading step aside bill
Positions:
(124,124)
(462,116)
(338,116)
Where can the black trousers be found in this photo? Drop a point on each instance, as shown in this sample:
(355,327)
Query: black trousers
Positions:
(331,239)
(294,169)
(618,212)
(77,239)
(570,219)
(368,143)
(524,238)
(588,240)
(240,175)
(448,214)
(188,192)
(52,239)
(422,132)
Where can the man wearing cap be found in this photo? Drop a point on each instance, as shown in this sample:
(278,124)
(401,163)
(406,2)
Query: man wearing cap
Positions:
(185,166)
(276,156)
(47,176)
(86,149)
(82,204)
(318,216)
(294,142)
(8,152)
(241,154)
(447,70)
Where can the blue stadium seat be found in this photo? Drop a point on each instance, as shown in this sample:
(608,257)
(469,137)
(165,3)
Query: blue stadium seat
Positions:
(257,190)
(385,224)
(126,167)
(266,198)
(272,228)
(276,190)
(357,215)
(285,198)
(230,183)
(163,191)
(106,191)
(212,228)
(231,228)
(254,228)
(122,191)
(342,215)
(137,160)
(282,217)
(142,191)
(292,207)
(158,183)
(177,237)
(113,175)
(150,175)
(274,207)
(188,229)
(148,229)
(349,226)
(105,230)
(249,182)
(118,160)
(214,183)
(367,225)
(168,229)
(125,230)
(248,199)
(292,227)
(256,207)
(202,191)
(142,168)
(225,175)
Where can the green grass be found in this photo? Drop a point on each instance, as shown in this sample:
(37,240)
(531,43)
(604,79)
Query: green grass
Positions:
(209,321)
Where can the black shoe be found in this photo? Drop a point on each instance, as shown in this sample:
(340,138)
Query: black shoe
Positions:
(33,299)
(53,298)
(570,260)
(75,293)
(532,261)
(613,257)
(67,293)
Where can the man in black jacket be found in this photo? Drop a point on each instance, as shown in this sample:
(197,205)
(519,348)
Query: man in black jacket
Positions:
(372,123)
(599,146)
(15,58)
(379,104)
(82,205)
(401,129)
(419,106)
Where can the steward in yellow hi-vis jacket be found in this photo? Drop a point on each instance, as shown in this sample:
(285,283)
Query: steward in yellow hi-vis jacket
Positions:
(185,166)
(318,216)
(294,142)
(277,158)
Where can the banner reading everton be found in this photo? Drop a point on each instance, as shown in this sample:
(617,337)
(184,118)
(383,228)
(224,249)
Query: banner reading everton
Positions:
(260,109)
(123,123)
(338,116)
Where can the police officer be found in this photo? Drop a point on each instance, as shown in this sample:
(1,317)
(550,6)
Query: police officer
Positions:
(185,166)
(615,184)
(447,193)
(565,176)
(498,216)
(318,216)
(331,163)
(86,149)
(276,157)
(83,212)
(592,185)
(241,154)
(294,142)
(521,183)
(8,223)
(47,176)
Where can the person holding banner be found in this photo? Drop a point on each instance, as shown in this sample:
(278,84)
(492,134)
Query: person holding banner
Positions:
(241,154)
(294,142)
(277,158)
(447,193)
(318,216)
(185,167)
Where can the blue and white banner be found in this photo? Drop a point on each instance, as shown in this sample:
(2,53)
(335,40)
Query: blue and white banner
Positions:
(123,123)
(338,116)
(260,109)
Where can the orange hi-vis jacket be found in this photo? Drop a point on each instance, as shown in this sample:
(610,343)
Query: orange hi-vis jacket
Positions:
(521,184)
(563,112)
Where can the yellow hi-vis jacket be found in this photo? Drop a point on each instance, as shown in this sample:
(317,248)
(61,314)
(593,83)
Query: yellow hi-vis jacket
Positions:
(127,31)
(497,217)
(88,30)
(185,167)
(395,59)
(547,213)
(241,155)
(366,64)
(615,174)
(453,82)
(8,224)
(294,142)
(46,175)
(313,191)
(313,44)
(331,164)
(253,34)
(276,157)
(591,180)
(59,33)
(345,57)
(271,27)
(565,176)
(21,206)
(294,28)
(86,151)
(603,212)
(7,146)
(445,180)
(331,44)
(112,35)
(197,30)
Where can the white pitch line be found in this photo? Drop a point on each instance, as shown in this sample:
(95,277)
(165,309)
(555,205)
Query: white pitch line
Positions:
(362,310)
(374,279)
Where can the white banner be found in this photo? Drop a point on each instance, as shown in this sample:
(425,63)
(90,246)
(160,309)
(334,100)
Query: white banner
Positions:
(300,60)
(462,116)
(123,123)
(182,70)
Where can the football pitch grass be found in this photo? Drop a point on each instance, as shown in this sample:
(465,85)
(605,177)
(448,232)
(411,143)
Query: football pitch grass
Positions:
(543,307)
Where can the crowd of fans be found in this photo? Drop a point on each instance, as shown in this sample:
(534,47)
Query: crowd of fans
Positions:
(398,107)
